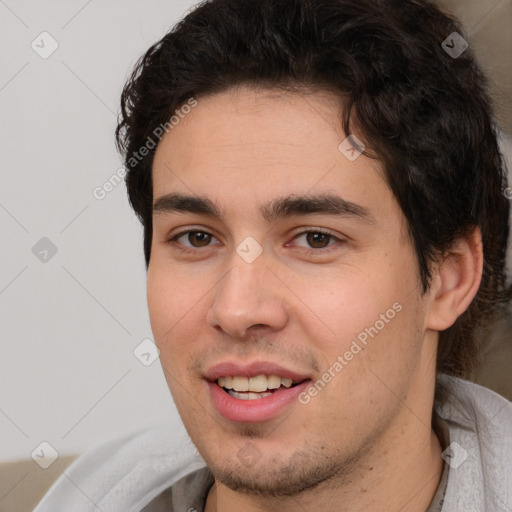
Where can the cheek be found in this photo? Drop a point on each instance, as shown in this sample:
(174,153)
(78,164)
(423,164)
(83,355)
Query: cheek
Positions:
(369,358)
(370,317)
(174,302)
(342,304)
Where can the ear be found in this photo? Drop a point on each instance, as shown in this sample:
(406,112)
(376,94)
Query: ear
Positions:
(456,282)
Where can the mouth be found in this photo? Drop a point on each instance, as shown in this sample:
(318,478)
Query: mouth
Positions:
(255,388)
(253,392)
(239,400)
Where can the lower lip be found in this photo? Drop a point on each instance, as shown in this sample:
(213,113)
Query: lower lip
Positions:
(254,411)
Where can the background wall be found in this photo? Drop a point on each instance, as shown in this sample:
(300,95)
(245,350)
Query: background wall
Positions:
(70,321)
(72,278)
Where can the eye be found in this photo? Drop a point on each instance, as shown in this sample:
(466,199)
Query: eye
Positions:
(315,239)
(193,239)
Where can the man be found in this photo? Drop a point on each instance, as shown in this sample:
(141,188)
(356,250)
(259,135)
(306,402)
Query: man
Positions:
(326,220)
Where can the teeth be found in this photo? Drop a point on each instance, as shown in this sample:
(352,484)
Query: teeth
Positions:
(273,382)
(241,384)
(287,383)
(256,384)
(228,382)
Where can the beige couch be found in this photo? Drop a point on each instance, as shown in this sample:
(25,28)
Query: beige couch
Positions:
(24,483)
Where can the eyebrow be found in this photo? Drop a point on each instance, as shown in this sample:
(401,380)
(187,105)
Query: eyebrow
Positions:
(277,209)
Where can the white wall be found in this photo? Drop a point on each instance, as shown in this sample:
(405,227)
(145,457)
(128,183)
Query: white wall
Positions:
(68,327)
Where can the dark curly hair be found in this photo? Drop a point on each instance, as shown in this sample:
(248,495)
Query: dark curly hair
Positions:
(423,113)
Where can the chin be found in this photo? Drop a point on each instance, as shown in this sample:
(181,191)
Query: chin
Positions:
(276,478)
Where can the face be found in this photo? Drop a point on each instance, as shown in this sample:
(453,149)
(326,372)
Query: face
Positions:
(276,252)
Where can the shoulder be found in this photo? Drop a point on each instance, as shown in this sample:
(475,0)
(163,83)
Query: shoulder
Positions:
(123,474)
(475,407)
(479,425)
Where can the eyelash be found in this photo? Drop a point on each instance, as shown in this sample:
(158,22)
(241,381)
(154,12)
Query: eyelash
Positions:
(309,252)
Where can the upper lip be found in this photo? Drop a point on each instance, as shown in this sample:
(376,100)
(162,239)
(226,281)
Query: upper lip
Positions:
(232,369)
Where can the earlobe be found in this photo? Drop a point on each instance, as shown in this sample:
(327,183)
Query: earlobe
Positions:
(456,282)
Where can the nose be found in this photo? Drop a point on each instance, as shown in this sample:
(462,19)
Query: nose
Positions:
(248,299)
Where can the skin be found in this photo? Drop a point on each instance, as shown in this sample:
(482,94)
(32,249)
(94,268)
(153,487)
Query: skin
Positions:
(365,441)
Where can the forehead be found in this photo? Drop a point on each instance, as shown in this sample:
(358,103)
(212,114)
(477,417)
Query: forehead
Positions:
(254,143)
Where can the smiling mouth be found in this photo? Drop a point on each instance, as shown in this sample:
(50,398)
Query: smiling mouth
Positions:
(254,388)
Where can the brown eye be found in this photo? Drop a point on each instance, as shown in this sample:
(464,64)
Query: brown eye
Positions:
(190,240)
(318,240)
(199,238)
